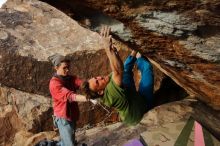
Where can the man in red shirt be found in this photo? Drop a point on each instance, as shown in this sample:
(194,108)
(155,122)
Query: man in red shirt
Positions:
(63,90)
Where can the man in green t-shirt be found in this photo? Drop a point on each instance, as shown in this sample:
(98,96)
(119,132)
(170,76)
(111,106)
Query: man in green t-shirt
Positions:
(118,89)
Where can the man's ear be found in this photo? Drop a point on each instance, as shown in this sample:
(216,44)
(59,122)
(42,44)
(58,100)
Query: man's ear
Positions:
(101,92)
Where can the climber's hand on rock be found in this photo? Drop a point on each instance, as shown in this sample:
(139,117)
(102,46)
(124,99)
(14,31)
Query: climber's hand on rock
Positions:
(106,38)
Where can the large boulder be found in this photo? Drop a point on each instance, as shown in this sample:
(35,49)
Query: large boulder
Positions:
(156,119)
(24,138)
(184,44)
(180,37)
(119,134)
(23,111)
(30,31)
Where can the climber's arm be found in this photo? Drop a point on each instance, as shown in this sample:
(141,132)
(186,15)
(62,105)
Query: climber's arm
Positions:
(113,56)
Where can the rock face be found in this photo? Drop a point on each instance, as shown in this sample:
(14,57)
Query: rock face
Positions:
(23,138)
(29,36)
(30,31)
(23,111)
(32,109)
(171,113)
(119,134)
(166,23)
(180,37)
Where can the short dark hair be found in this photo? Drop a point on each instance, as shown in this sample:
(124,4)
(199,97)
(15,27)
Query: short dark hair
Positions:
(87,91)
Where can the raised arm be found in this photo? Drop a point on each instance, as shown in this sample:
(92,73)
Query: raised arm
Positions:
(113,56)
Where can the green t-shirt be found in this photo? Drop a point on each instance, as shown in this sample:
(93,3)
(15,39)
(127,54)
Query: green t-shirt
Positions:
(130,105)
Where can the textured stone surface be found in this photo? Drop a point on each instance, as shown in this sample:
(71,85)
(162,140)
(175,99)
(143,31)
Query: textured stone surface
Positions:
(205,48)
(21,138)
(30,31)
(166,23)
(184,45)
(20,110)
(24,138)
(2,2)
(10,123)
(31,112)
(117,27)
(119,134)
(168,135)
(26,42)
(180,37)
(39,20)
(156,119)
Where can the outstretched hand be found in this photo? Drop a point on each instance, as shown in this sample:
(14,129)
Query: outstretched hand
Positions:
(113,56)
(106,37)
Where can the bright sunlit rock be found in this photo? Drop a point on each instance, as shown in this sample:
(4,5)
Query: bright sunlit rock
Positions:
(2,2)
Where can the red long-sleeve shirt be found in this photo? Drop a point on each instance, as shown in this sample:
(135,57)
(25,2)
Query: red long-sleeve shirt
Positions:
(63,95)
